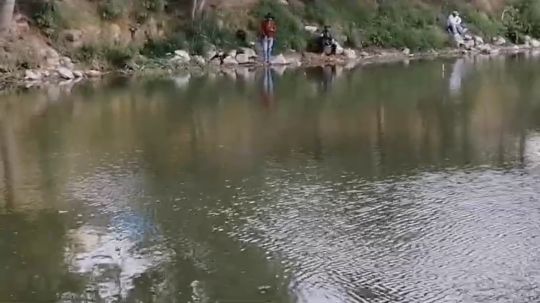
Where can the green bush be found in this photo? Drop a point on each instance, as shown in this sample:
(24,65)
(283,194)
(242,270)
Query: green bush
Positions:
(112,9)
(399,24)
(48,18)
(529,13)
(118,57)
(156,49)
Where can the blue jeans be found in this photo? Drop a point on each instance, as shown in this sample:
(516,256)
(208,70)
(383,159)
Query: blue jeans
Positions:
(267,44)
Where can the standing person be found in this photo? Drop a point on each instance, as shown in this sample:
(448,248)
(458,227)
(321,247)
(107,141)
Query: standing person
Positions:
(268,33)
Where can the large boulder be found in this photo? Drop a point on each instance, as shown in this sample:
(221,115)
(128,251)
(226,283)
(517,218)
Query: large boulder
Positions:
(499,41)
(478,40)
(182,55)
(31,75)
(242,59)
(65,73)
(230,61)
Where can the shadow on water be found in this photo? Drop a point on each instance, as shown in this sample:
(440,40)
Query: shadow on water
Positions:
(388,183)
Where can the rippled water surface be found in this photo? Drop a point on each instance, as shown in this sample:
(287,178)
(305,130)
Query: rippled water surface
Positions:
(408,182)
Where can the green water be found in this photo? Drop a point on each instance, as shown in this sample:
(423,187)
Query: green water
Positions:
(406,182)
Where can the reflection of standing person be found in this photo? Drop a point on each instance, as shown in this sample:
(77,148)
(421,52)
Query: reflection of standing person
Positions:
(268,88)
(268,34)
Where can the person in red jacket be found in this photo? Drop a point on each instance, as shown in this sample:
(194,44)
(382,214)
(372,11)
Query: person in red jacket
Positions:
(268,33)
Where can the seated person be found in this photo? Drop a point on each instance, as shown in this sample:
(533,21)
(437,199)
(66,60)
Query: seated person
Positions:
(327,44)
(453,25)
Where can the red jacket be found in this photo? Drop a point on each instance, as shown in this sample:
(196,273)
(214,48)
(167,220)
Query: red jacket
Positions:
(268,28)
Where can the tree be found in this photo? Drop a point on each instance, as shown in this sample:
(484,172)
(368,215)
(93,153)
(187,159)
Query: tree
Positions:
(196,8)
(6,13)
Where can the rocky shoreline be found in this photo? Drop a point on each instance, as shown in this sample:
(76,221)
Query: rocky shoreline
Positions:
(62,70)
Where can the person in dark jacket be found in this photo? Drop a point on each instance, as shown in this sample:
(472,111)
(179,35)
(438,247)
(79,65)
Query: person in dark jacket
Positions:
(268,34)
(327,43)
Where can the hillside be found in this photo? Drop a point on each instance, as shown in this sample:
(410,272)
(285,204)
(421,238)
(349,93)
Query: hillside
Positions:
(109,33)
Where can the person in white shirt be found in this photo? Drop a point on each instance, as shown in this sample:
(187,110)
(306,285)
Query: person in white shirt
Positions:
(454,24)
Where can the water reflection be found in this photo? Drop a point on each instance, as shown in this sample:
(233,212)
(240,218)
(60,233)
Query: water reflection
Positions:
(355,188)
(268,89)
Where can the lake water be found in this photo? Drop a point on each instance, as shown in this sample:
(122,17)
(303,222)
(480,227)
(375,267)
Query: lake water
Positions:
(406,182)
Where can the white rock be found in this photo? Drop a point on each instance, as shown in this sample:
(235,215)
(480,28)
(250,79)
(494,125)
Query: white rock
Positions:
(65,73)
(93,73)
(478,40)
(210,54)
(78,74)
(364,54)
(350,53)
(242,58)
(232,53)
(534,43)
(499,41)
(283,2)
(406,51)
(229,61)
(180,60)
(279,60)
(31,75)
(199,60)
(182,54)
(311,29)
(527,39)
